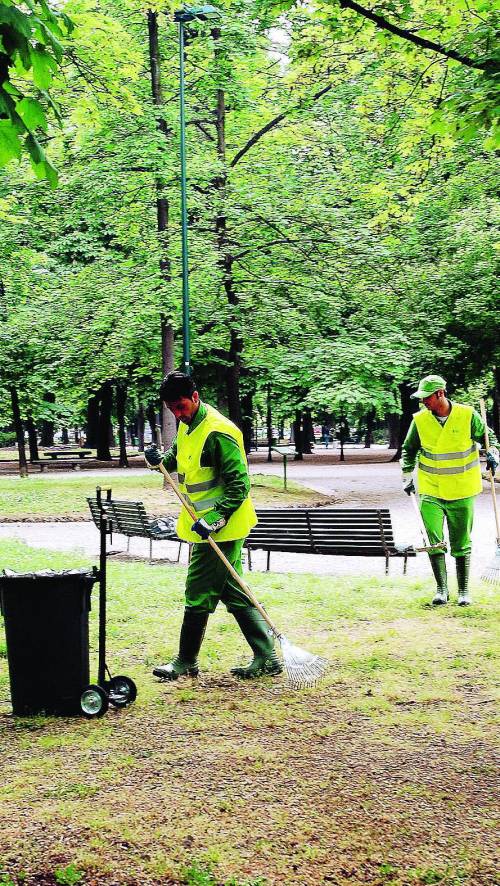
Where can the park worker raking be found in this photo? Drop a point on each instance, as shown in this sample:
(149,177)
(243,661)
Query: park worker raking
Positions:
(442,440)
(210,458)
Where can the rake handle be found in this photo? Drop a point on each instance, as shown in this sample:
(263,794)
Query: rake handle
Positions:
(421,524)
(244,587)
(492,479)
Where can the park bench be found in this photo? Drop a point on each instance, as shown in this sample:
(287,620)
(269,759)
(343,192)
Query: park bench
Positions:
(346,532)
(74,463)
(64,453)
(129,518)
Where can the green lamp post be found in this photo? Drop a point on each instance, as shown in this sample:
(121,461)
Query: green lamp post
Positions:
(183,17)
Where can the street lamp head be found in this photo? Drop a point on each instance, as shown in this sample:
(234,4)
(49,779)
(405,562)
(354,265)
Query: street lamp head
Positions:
(202,13)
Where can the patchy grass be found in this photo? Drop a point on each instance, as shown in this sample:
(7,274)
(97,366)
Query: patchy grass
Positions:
(49,495)
(381,775)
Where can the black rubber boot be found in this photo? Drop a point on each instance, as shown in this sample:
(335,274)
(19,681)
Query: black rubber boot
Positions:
(463,570)
(256,633)
(185,662)
(438,564)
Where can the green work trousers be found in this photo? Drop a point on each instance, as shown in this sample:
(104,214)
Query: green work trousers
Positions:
(208,579)
(459,515)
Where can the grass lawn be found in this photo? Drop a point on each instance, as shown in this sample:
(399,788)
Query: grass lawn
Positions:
(47,496)
(382,775)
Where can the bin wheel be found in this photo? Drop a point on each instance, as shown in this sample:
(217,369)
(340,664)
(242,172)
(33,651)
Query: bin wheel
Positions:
(94,701)
(122,691)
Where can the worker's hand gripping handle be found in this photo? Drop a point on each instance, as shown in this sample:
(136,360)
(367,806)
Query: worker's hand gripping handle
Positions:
(244,587)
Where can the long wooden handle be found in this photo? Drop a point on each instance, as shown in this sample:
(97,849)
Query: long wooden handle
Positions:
(244,587)
(492,479)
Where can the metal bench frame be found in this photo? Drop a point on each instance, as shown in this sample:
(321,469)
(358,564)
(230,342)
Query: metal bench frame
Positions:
(347,532)
(129,518)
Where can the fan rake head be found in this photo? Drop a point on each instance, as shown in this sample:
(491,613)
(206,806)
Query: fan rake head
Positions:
(302,669)
(491,574)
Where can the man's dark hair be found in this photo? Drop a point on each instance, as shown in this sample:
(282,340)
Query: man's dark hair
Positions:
(176,385)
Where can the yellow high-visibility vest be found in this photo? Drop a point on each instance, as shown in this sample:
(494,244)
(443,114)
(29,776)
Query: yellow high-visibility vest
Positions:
(201,486)
(448,461)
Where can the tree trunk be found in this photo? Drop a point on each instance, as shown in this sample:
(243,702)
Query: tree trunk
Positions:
(47,426)
(168,427)
(32,438)
(393,426)
(152,417)
(140,429)
(298,436)
(247,419)
(103,431)
(370,420)
(18,427)
(496,403)
(408,407)
(269,422)
(91,429)
(121,401)
(225,258)
(308,431)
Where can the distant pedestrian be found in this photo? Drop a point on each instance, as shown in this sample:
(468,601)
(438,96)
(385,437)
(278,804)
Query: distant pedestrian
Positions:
(325,435)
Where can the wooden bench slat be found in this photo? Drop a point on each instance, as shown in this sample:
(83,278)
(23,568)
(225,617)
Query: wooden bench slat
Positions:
(362,532)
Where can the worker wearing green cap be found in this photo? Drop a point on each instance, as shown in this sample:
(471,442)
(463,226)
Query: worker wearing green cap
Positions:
(442,442)
(209,456)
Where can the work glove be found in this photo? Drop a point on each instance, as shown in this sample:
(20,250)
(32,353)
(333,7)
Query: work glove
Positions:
(492,459)
(408,484)
(153,457)
(211,522)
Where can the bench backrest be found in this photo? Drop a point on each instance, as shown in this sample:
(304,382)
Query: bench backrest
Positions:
(126,517)
(360,531)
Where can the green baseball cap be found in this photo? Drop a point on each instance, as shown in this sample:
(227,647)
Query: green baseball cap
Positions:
(429,385)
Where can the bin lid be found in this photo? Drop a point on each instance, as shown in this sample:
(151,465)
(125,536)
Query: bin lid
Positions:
(9,574)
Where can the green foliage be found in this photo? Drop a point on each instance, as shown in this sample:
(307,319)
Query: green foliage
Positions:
(30,54)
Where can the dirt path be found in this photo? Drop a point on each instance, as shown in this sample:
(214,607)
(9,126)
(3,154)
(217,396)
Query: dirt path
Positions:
(322,798)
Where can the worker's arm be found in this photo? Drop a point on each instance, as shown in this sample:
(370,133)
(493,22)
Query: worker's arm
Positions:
(411,447)
(223,453)
(477,429)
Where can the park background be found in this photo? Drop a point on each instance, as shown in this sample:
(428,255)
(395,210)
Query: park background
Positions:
(342,222)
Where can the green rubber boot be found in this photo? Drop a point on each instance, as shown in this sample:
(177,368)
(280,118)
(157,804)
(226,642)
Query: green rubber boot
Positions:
(438,564)
(185,662)
(463,570)
(256,633)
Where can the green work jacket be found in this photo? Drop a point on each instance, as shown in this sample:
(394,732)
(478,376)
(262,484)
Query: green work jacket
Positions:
(221,467)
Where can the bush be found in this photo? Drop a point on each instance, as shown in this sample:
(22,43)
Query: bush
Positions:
(7,438)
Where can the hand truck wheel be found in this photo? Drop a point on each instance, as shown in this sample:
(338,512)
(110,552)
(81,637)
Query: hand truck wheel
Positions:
(122,691)
(94,701)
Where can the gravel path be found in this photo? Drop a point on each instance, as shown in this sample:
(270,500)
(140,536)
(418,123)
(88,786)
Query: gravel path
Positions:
(352,484)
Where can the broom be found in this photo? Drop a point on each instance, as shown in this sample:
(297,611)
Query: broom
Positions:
(492,572)
(302,669)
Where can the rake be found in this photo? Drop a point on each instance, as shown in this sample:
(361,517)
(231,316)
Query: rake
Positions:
(492,572)
(302,669)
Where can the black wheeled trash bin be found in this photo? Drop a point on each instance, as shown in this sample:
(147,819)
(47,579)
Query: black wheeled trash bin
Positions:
(46,618)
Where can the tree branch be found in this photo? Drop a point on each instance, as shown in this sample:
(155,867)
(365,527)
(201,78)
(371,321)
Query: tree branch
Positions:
(490,66)
(274,122)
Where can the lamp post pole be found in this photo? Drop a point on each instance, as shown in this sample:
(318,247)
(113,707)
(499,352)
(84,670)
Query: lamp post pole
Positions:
(182,16)
(186,358)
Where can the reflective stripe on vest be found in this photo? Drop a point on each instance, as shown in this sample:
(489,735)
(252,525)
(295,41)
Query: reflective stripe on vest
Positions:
(200,486)
(442,444)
